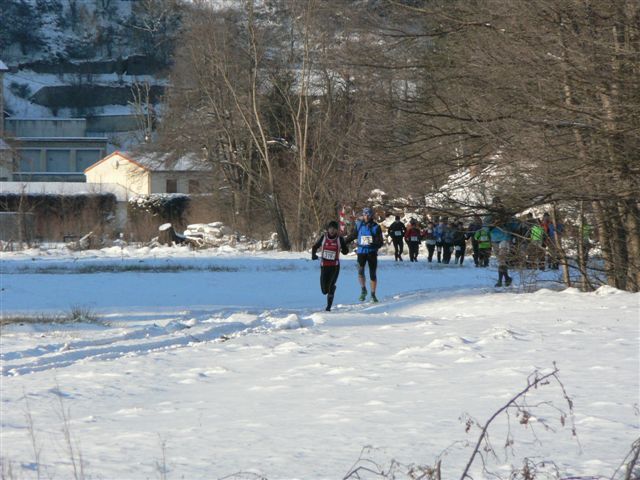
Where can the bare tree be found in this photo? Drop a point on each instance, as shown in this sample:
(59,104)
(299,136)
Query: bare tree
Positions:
(341,97)
(143,109)
(155,24)
(271,112)
(545,91)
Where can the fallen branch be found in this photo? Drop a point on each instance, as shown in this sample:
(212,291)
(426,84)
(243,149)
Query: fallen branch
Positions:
(538,381)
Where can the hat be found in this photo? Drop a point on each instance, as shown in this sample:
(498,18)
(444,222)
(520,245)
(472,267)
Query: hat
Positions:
(367,211)
(333,224)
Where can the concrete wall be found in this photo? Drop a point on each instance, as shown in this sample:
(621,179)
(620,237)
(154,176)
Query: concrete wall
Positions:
(75,152)
(67,127)
(1,102)
(90,95)
(159,181)
(6,164)
(112,123)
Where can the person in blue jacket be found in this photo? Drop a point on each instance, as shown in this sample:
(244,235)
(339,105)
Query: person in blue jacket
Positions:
(447,242)
(369,236)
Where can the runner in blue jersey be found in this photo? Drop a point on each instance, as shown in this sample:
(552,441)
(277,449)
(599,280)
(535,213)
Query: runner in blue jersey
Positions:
(369,236)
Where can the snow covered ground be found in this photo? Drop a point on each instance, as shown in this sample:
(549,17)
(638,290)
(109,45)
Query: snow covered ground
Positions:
(217,362)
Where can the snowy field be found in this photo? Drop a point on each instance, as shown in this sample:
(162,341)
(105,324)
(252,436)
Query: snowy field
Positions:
(205,364)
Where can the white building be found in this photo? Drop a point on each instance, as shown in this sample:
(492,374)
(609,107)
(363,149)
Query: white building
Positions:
(147,173)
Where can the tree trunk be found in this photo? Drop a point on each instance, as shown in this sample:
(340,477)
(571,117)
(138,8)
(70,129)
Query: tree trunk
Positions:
(277,216)
(168,236)
(582,252)
(618,236)
(606,244)
(559,250)
(632,227)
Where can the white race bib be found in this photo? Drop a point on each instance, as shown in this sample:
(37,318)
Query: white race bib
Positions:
(413,239)
(458,248)
(431,242)
(329,254)
(397,233)
(366,240)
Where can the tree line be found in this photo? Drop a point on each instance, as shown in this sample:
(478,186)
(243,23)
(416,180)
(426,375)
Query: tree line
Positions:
(302,106)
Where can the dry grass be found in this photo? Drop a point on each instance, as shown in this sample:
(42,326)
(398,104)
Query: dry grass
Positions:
(76,314)
(125,267)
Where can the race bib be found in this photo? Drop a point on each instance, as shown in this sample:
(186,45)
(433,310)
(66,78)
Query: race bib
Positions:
(431,242)
(413,239)
(366,240)
(458,248)
(398,233)
(329,254)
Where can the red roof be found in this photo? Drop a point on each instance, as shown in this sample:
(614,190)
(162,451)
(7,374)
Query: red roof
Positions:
(120,154)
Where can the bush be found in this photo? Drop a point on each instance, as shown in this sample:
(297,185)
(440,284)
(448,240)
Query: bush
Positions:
(60,215)
(22,90)
(20,24)
(147,212)
(169,207)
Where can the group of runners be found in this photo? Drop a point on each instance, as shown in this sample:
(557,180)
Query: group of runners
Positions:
(531,241)
(331,244)
(497,233)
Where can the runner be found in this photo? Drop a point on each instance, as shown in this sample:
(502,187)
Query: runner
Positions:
(483,237)
(396,233)
(430,240)
(459,243)
(369,236)
(331,245)
(413,237)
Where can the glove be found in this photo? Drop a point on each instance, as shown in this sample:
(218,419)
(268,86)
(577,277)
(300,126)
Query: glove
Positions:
(314,257)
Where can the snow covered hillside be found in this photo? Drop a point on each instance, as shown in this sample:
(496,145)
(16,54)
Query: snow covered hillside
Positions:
(70,59)
(204,364)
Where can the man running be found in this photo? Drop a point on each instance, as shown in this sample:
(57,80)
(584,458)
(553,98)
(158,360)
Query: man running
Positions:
(413,237)
(396,233)
(369,236)
(331,245)
(430,239)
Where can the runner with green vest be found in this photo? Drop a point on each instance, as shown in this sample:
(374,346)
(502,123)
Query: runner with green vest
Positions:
(537,233)
(585,233)
(483,237)
(536,250)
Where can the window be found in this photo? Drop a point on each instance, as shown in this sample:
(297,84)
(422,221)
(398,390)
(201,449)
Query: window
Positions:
(194,186)
(172,186)
(86,158)
(58,160)
(29,160)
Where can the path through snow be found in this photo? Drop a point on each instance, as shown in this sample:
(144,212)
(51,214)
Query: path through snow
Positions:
(241,372)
